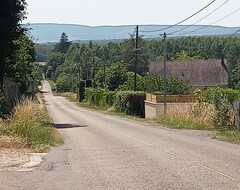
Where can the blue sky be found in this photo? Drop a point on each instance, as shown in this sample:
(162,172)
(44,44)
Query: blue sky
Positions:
(129,12)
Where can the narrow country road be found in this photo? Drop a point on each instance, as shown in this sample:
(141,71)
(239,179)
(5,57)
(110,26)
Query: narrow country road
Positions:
(105,152)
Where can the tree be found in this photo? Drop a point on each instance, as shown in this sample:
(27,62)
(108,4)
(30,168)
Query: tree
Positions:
(54,60)
(12,12)
(116,75)
(21,68)
(63,45)
(234,79)
(128,54)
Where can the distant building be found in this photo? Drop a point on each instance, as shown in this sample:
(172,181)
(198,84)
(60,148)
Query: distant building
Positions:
(198,73)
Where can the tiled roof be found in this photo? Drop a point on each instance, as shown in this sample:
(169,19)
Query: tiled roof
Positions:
(196,73)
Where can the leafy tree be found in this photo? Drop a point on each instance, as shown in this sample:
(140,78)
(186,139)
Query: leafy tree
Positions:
(20,70)
(129,83)
(184,56)
(64,83)
(99,78)
(176,86)
(12,12)
(128,54)
(234,79)
(116,75)
(53,61)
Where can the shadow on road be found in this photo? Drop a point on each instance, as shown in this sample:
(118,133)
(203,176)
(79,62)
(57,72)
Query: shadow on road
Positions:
(45,91)
(68,126)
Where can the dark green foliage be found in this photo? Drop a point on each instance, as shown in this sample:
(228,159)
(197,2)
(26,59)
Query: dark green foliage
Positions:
(175,85)
(128,55)
(130,102)
(84,62)
(12,12)
(64,83)
(222,99)
(54,60)
(22,70)
(4,107)
(63,45)
(100,98)
(234,78)
(43,50)
(116,75)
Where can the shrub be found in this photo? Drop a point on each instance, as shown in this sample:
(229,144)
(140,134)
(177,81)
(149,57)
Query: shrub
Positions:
(222,100)
(100,97)
(130,102)
(63,84)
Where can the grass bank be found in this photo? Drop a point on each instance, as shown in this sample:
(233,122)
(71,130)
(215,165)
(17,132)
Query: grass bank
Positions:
(29,126)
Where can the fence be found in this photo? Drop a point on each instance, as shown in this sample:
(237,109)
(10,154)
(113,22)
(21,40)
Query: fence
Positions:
(171,98)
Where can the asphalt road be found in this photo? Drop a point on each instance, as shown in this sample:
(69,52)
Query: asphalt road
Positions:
(107,152)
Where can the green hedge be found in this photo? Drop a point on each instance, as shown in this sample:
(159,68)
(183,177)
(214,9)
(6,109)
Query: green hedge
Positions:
(100,98)
(215,95)
(130,102)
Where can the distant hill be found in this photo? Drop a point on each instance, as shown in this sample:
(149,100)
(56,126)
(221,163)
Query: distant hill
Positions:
(52,32)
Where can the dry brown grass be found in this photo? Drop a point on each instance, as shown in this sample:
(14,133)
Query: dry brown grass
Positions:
(13,142)
(198,116)
(27,109)
(29,126)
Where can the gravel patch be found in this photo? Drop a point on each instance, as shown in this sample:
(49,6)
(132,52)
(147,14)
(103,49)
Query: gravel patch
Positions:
(19,160)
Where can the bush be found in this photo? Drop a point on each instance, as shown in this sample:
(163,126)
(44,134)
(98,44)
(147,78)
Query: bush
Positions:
(100,97)
(63,84)
(222,100)
(130,102)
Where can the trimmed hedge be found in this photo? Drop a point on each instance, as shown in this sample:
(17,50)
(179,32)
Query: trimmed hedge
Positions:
(100,98)
(130,102)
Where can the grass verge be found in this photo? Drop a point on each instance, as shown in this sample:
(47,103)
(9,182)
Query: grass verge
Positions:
(180,123)
(228,135)
(30,125)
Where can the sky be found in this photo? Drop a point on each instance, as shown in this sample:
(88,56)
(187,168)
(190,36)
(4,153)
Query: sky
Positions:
(130,12)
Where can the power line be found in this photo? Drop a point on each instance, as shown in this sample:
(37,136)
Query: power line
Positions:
(180,21)
(236,32)
(152,36)
(201,18)
(205,26)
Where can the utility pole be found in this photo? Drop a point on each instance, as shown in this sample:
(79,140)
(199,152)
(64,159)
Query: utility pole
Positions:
(93,72)
(104,74)
(165,71)
(136,60)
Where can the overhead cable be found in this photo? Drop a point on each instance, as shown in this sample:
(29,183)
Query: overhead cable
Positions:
(236,32)
(188,26)
(205,26)
(168,27)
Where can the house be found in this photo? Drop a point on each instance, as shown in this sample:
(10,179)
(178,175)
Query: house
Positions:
(198,73)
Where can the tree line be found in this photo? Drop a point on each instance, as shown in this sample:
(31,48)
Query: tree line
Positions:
(112,65)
